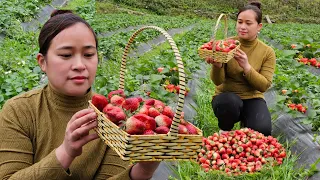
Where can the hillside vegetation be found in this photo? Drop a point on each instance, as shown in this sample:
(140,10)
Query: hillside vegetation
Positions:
(301,11)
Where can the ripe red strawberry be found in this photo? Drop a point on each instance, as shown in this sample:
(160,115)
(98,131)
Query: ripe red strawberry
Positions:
(163,120)
(157,102)
(177,89)
(170,87)
(149,121)
(135,126)
(115,114)
(168,111)
(251,169)
(158,107)
(149,132)
(117,100)
(220,162)
(182,129)
(144,110)
(243,168)
(153,112)
(149,102)
(160,69)
(139,99)
(282,154)
(183,122)
(99,101)
(162,130)
(131,104)
(191,129)
(119,92)
(108,107)
(182,115)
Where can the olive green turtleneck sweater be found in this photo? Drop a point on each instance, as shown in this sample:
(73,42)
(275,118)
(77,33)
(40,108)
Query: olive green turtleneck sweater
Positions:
(230,78)
(32,126)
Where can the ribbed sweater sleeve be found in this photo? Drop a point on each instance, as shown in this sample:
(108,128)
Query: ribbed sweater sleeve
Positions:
(217,75)
(263,80)
(16,150)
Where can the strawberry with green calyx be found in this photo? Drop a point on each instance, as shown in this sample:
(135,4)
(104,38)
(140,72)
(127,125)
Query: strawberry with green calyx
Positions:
(99,101)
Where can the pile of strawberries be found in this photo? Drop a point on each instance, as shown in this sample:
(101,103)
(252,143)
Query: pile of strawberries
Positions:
(239,151)
(312,62)
(138,116)
(221,45)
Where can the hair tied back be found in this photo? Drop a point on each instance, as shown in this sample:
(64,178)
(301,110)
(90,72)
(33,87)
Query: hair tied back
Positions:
(257,4)
(57,12)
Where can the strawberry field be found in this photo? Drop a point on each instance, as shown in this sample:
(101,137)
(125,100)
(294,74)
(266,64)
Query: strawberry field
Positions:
(152,72)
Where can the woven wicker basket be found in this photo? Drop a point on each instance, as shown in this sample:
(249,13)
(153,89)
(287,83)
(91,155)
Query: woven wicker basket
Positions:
(222,57)
(171,146)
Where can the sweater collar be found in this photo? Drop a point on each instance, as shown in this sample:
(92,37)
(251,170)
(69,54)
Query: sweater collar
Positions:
(68,102)
(246,43)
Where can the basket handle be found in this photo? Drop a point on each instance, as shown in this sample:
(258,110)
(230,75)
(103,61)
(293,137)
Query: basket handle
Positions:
(216,29)
(182,80)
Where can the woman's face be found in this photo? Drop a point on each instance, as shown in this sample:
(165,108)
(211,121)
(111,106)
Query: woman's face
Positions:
(247,25)
(72,60)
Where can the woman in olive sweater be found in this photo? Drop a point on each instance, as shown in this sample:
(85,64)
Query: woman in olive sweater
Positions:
(47,133)
(241,82)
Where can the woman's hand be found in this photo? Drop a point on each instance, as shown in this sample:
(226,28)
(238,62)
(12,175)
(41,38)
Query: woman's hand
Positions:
(212,61)
(76,136)
(242,59)
(144,170)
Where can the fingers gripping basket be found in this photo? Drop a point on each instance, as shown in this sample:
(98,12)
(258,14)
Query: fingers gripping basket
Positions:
(171,146)
(218,56)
